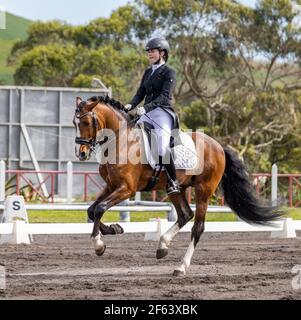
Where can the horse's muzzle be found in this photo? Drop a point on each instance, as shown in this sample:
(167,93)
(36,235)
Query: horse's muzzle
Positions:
(84,153)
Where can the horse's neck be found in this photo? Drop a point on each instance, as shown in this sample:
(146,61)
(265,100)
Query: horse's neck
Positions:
(114,120)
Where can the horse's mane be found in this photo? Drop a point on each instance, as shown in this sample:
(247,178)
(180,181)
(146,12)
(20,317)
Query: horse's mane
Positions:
(118,106)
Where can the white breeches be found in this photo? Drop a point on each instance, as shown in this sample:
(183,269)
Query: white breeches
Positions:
(162,123)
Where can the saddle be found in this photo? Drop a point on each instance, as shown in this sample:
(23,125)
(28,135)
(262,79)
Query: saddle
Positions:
(181,146)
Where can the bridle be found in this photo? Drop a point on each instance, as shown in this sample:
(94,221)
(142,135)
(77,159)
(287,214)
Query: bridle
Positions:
(92,143)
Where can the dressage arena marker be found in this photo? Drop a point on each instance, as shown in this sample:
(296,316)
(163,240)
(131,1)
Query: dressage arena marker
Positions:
(15,213)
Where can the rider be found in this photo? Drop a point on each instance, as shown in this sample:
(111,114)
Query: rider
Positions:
(157,85)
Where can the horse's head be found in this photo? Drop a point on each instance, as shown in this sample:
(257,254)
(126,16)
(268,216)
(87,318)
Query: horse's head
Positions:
(86,126)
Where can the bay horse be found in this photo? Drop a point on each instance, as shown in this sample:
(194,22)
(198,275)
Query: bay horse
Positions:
(220,166)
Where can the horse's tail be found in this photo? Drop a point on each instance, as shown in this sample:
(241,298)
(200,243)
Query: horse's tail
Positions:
(240,194)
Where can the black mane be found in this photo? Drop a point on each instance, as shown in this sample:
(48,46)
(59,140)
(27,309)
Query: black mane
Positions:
(118,106)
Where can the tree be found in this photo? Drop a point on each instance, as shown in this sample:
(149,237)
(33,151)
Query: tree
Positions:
(48,65)
(238,68)
(57,54)
(243,66)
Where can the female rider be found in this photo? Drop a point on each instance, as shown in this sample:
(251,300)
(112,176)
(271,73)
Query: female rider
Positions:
(157,85)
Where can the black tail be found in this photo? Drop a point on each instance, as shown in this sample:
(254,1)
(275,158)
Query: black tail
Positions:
(240,194)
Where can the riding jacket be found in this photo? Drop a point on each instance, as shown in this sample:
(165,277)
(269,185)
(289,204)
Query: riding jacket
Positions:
(156,88)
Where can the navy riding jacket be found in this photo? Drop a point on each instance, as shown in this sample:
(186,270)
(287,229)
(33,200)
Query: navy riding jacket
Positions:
(156,88)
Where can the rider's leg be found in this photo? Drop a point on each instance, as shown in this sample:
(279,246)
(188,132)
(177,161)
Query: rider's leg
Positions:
(163,126)
(168,162)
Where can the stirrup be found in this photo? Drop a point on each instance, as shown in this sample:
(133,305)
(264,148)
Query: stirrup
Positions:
(173,187)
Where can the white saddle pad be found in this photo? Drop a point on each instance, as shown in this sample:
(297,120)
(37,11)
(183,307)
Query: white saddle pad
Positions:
(185,156)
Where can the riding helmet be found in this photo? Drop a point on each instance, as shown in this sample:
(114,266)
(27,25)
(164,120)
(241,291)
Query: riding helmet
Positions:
(158,43)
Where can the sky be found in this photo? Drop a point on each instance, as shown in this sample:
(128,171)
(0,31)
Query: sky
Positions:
(72,11)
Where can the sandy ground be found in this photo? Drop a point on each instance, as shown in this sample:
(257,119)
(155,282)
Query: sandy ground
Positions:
(224,266)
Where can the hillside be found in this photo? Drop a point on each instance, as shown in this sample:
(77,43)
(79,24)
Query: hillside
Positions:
(15,30)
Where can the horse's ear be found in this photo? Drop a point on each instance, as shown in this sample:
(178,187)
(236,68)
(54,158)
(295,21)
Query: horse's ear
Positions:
(78,101)
(91,104)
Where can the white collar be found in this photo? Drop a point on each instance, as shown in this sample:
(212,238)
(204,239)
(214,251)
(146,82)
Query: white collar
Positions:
(156,66)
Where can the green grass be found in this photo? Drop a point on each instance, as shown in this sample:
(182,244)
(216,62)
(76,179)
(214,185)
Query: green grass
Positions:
(81,216)
(113,216)
(6,72)
(294,213)
(15,30)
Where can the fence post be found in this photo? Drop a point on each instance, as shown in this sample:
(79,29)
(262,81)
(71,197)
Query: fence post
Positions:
(69,181)
(138,196)
(124,216)
(2,181)
(274,184)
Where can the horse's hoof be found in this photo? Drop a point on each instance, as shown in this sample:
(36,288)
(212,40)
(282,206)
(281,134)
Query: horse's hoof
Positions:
(101,251)
(117,228)
(161,253)
(178,273)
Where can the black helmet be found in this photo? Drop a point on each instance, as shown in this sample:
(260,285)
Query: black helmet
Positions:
(158,43)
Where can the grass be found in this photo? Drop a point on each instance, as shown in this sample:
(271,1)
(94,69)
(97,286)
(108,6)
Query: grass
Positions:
(15,30)
(16,27)
(81,216)
(113,216)
(294,213)
(6,72)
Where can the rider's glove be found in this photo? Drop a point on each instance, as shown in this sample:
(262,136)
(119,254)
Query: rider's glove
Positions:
(128,107)
(140,111)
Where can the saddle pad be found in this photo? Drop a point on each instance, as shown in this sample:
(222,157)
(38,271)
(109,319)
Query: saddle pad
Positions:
(184,154)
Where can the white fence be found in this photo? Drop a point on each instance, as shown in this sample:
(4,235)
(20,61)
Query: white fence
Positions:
(21,232)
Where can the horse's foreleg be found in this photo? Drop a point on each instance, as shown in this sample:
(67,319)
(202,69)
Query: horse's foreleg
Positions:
(184,215)
(196,232)
(104,229)
(115,197)
(99,245)
(104,193)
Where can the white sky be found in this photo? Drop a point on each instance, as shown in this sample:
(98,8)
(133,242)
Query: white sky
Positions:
(71,11)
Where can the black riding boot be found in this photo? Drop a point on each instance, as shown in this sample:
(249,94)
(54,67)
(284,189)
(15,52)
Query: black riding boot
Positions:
(172,185)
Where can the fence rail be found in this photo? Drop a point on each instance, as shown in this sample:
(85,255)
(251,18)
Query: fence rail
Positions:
(287,186)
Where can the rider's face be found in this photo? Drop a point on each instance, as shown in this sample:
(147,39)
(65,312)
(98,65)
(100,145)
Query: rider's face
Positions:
(154,55)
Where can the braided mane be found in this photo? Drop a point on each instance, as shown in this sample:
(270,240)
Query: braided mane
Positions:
(118,106)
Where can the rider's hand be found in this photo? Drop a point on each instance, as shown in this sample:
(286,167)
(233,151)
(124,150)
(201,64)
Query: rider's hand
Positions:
(140,111)
(128,107)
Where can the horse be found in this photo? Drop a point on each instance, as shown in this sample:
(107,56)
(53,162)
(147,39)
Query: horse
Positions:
(220,167)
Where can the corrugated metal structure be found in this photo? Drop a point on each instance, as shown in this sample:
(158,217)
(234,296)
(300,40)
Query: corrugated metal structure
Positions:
(46,114)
